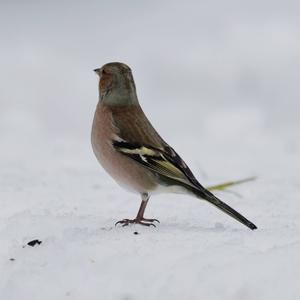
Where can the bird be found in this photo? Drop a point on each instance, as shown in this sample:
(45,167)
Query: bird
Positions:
(134,154)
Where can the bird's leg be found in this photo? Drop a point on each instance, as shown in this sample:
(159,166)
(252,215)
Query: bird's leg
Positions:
(140,215)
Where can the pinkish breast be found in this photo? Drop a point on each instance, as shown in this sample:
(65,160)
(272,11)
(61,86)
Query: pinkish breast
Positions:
(128,173)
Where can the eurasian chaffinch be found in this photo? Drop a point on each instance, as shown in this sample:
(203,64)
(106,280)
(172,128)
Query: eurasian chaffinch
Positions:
(133,153)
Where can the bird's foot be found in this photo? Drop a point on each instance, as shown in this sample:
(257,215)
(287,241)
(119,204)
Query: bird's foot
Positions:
(142,221)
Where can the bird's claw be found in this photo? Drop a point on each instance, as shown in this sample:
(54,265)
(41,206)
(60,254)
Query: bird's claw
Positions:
(144,222)
(150,220)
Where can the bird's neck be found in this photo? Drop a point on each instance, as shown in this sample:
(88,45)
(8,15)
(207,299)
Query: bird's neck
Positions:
(119,98)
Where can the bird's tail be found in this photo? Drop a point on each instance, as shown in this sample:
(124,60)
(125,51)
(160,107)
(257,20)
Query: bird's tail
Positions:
(208,196)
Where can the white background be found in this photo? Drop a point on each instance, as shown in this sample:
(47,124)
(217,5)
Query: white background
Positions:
(220,82)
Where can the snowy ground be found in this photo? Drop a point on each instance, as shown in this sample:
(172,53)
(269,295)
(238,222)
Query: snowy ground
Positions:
(219,80)
(55,192)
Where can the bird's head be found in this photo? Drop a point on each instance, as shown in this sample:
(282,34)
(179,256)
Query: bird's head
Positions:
(116,85)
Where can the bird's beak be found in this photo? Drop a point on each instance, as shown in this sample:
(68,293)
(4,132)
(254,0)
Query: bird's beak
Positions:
(97,71)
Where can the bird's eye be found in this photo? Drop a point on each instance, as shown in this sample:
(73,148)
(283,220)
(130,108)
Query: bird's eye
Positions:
(106,72)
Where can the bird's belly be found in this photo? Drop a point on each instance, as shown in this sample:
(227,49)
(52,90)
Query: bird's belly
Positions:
(126,172)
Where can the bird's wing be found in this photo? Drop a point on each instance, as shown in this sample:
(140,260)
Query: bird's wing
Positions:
(168,165)
(165,162)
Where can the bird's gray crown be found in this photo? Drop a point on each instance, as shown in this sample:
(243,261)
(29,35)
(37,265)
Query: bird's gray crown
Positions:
(116,85)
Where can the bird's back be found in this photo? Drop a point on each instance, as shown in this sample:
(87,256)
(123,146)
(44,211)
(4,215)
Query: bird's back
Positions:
(134,126)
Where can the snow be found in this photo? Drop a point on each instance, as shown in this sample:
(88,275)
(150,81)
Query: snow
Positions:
(230,114)
(57,193)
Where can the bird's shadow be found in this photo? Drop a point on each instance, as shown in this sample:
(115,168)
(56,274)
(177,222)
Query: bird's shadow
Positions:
(164,227)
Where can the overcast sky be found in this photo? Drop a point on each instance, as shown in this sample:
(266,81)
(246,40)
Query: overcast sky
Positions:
(202,56)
